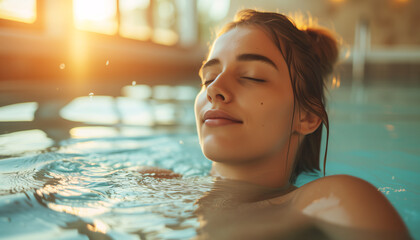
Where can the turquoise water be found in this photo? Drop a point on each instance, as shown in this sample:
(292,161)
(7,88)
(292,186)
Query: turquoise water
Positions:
(56,195)
(80,178)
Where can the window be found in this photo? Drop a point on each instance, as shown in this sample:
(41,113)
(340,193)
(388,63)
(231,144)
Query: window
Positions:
(134,19)
(158,21)
(210,14)
(96,16)
(165,22)
(18,10)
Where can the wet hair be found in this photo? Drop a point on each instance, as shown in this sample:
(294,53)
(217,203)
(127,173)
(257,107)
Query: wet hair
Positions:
(310,54)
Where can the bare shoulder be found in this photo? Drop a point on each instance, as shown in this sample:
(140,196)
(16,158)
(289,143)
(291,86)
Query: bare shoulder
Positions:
(348,201)
(341,184)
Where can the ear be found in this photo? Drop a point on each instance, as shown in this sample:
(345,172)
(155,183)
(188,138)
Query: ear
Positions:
(308,122)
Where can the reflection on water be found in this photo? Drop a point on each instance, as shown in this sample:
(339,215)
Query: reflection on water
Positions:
(137,91)
(18,112)
(76,170)
(93,132)
(97,187)
(144,106)
(98,109)
(24,141)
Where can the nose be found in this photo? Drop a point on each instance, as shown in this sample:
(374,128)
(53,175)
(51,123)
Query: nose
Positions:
(218,91)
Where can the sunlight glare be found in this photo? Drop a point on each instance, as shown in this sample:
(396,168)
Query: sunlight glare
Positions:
(98,226)
(96,15)
(134,20)
(165,36)
(18,10)
(78,211)
(24,141)
(93,132)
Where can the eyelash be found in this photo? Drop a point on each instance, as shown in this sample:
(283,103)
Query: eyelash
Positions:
(254,79)
(207,82)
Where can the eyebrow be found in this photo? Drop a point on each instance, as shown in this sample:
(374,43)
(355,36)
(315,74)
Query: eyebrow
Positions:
(243,57)
(211,62)
(256,57)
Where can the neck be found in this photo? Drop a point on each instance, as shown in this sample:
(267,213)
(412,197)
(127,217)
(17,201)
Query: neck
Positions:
(273,170)
(270,172)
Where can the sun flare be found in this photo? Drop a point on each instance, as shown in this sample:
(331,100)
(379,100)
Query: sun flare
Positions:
(96,15)
(21,11)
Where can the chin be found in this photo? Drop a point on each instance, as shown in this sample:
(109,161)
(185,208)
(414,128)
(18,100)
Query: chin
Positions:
(216,153)
(221,158)
(229,150)
(224,154)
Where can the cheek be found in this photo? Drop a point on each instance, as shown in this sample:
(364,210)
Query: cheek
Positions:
(199,104)
(273,119)
(200,101)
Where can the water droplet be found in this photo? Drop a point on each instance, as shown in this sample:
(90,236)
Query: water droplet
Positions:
(133,83)
(91,95)
(62,66)
(181,142)
(107,62)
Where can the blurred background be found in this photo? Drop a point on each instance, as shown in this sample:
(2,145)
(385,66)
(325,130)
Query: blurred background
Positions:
(84,42)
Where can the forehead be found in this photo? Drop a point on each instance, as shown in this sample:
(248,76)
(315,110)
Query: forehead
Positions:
(245,39)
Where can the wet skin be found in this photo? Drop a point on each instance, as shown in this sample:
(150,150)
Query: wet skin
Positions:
(317,210)
(250,127)
(246,80)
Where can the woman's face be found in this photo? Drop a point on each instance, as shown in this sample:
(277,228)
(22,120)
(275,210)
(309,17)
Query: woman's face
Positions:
(244,109)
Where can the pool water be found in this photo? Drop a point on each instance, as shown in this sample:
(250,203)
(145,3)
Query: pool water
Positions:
(78,174)
(55,194)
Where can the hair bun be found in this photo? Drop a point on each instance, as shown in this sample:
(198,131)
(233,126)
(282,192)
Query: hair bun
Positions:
(325,47)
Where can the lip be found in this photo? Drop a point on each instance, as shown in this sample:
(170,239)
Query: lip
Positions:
(219,118)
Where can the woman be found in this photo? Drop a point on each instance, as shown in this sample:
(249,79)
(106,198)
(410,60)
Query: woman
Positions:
(259,117)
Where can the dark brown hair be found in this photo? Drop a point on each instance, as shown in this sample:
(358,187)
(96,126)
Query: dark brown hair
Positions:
(310,54)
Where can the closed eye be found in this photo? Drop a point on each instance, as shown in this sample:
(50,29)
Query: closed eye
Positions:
(254,79)
(207,82)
